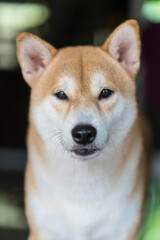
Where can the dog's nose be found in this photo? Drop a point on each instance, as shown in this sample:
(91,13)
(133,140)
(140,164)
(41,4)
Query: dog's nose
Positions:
(84,134)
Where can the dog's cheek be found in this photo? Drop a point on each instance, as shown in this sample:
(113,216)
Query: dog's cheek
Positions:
(104,118)
(102,130)
(121,119)
(46,121)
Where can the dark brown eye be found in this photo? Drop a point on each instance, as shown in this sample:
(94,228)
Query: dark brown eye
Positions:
(61,95)
(105,93)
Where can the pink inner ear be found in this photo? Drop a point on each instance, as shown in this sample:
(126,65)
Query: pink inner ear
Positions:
(123,54)
(34,57)
(124,48)
(36,61)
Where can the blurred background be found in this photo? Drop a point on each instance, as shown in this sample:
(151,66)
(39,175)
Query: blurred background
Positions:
(63,23)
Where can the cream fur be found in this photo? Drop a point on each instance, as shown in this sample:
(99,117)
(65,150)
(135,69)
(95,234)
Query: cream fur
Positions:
(99,196)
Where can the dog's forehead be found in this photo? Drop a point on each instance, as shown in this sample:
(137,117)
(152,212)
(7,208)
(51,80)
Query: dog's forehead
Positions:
(87,63)
(79,66)
(86,69)
(80,60)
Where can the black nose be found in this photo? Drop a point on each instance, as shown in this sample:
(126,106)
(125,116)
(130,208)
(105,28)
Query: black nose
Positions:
(84,134)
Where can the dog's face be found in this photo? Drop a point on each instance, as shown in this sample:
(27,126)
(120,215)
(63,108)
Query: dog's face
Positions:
(83,98)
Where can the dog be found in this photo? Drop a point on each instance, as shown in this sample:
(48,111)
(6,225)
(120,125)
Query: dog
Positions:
(87,151)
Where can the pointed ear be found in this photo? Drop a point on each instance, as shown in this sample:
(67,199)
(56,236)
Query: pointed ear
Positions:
(124,45)
(33,55)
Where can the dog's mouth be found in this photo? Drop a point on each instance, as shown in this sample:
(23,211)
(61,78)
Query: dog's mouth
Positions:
(85,152)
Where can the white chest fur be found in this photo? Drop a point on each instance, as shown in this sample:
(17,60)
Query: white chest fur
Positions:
(83,201)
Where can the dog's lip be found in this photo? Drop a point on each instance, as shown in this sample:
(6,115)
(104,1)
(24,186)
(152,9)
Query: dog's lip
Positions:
(84,152)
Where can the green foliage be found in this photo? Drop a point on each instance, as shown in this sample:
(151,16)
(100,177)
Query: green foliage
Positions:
(151,226)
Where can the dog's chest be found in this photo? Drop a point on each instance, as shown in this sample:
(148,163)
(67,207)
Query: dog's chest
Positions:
(64,221)
(84,209)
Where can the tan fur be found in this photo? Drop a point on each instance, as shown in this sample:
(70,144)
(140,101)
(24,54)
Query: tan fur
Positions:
(80,64)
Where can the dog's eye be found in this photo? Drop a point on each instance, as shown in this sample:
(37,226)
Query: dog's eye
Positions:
(61,95)
(105,93)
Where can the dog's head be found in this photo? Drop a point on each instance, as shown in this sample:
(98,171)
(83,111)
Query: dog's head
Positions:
(83,98)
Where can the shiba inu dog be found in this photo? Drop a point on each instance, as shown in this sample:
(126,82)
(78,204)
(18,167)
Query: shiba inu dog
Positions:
(86,170)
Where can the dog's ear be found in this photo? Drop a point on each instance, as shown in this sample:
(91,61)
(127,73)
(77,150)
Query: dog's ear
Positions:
(33,55)
(124,45)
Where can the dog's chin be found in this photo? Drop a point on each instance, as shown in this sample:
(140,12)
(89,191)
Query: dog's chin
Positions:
(85,153)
